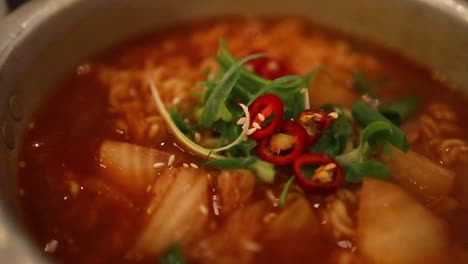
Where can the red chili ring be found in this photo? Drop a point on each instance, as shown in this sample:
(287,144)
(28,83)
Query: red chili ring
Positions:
(269,68)
(317,159)
(291,128)
(267,105)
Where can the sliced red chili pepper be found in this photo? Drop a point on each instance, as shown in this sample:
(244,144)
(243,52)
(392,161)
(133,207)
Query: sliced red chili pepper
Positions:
(263,108)
(289,131)
(314,122)
(314,184)
(268,67)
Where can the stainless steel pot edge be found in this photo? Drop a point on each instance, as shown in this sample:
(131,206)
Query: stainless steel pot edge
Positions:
(14,245)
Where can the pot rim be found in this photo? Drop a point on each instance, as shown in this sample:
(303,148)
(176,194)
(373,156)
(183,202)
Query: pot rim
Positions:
(17,25)
(24,19)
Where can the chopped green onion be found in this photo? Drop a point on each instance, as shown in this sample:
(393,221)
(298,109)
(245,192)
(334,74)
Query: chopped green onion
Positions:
(333,141)
(231,163)
(284,193)
(226,60)
(219,94)
(249,86)
(355,172)
(374,132)
(179,121)
(172,255)
(284,82)
(243,134)
(197,149)
(356,164)
(263,170)
(365,114)
(242,149)
(187,142)
(365,85)
(400,110)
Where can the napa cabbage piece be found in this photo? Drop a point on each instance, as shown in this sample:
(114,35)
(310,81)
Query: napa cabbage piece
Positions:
(420,175)
(235,188)
(295,218)
(237,240)
(295,226)
(395,228)
(130,166)
(178,211)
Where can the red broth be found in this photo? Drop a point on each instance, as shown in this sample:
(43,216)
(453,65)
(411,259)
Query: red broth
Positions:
(78,216)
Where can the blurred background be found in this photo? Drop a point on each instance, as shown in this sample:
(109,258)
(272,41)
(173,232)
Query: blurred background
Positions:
(6,5)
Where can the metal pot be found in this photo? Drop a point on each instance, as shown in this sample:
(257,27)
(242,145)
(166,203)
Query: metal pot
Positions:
(44,38)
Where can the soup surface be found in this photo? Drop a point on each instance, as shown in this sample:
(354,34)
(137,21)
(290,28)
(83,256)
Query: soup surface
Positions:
(104,179)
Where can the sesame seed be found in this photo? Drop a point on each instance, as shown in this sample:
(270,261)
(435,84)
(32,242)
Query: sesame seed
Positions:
(330,166)
(215,208)
(51,246)
(158,165)
(261,117)
(177,146)
(251,131)
(303,91)
(197,137)
(176,100)
(345,244)
(193,165)
(148,188)
(203,210)
(333,115)
(185,165)
(171,160)
(317,117)
(241,121)
(256,125)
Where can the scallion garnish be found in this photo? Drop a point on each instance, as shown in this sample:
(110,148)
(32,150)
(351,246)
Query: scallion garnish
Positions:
(355,172)
(333,141)
(366,86)
(263,170)
(365,114)
(284,194)
(236,128)
(179,121)
(401,109)
(215,104)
